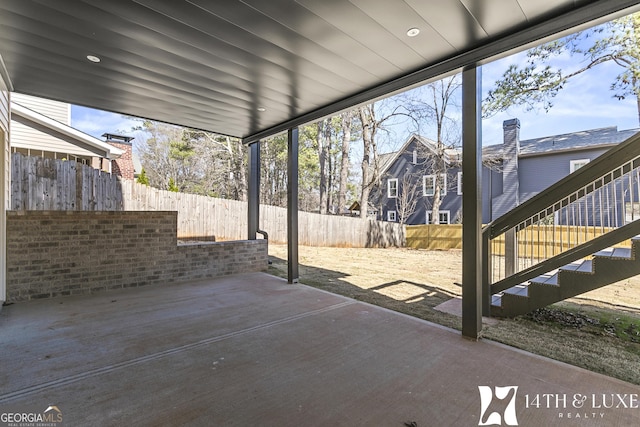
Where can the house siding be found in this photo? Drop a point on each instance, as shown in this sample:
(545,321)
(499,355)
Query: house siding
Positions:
(27,135)
(5,184)
(491,187)
(31,136)
(540,172)
(403,165)
(59,111)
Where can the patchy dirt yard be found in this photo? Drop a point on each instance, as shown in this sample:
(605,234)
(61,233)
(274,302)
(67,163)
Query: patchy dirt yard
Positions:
(599,330)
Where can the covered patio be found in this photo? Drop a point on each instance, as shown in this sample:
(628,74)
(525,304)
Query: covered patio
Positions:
(252,70)
(251,350)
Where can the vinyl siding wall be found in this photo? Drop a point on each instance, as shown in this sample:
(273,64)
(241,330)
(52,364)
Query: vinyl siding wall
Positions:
(5,185)
(539,172)
(27,135)
(59,111)
(491,187)
(452,202)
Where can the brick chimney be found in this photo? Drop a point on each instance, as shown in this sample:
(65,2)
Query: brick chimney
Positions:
(122,166)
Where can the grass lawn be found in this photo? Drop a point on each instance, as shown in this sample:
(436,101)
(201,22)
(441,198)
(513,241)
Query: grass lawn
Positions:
(599,331)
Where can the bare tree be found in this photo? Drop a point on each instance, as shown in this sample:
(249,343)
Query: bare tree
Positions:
(407,200)
(346,121)
(370,170)
(433,103)
(323,140)
(370,166)
(166,156)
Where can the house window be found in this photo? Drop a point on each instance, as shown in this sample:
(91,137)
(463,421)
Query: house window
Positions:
(442,215)
(574,165)
(459,183)
(392,188)
(429,185)
(415,157)
(391,216)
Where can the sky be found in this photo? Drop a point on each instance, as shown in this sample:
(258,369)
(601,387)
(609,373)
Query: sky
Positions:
(585,103)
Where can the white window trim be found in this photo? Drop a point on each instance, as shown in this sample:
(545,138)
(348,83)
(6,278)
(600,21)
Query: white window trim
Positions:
(573,163)
(459,183)
(415,157)
(389,181)
(445,212)
(443,190)
(391,216)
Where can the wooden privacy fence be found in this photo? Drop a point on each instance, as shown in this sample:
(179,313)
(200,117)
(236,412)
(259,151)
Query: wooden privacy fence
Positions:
(542,241)
(545,241)
(49,184)
(434,236)
(201,217)
(39,183)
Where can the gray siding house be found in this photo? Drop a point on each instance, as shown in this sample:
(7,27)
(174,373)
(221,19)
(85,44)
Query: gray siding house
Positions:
(406,188)
(517,170)
(512,173)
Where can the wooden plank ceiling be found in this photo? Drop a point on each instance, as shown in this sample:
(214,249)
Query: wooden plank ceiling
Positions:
(251,67)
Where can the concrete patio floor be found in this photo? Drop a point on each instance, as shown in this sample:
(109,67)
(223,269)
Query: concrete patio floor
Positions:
(251,350)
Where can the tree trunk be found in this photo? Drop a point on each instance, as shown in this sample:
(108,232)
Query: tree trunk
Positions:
(367,140)
(638,103)
(438,170)
(241,171)
(347,119)
(329,176)
(323,151)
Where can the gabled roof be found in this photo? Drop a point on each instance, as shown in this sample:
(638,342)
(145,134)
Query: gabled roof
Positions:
(582,140)
(252,68)
(387,159)
(110,152)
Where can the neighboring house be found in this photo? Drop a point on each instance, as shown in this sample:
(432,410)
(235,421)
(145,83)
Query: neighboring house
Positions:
(42,127)
(522,169)
(512,173)
(407,183)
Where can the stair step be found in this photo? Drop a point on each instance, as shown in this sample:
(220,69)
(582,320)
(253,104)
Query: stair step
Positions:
(580,266)
(521,290)
(496,300)
(550,278)
(614,253)
(545,289)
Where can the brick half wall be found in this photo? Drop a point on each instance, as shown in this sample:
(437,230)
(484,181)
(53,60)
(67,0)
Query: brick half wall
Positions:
(56,253)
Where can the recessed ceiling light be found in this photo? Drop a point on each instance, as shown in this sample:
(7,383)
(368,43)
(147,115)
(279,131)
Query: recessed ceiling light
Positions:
(412,32)
(93,58)
(262,109)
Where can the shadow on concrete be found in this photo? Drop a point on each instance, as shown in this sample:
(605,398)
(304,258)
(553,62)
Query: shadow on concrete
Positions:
(405,296)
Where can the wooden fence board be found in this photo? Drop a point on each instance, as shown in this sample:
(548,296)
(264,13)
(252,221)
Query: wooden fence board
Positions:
(39,184)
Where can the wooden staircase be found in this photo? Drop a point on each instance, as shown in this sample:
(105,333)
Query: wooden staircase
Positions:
(606,266)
